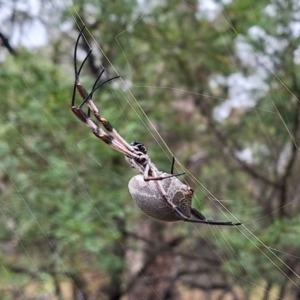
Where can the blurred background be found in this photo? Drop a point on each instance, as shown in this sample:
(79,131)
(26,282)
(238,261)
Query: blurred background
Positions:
(214,83)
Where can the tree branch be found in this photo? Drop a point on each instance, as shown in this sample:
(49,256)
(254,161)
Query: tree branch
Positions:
(6,44)
(222,138)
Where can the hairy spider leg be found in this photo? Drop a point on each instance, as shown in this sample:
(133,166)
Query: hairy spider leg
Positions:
(87,98)
(113,139)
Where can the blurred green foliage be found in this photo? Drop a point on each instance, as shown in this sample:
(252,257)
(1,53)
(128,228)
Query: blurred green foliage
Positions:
(66,213)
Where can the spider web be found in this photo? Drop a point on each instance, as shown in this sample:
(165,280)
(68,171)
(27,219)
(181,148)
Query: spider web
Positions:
(228,246)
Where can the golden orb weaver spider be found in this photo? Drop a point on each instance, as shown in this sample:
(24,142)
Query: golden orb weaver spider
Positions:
(158,194)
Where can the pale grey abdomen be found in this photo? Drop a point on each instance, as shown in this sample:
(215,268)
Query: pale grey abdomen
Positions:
(148,197)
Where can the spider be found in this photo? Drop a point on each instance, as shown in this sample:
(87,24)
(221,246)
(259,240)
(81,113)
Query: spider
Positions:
(158,194)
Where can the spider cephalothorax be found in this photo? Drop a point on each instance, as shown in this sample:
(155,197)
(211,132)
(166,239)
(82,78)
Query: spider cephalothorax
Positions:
(158,194)
(138,146)
(141,163)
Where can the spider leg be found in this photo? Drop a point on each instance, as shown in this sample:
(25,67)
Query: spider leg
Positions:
(91,105)
(77,85)
(172,168)
(197,214)
(172,165)
(156,177)
(149,167)
(80,89)
(211,222)
(109,127)
(88,99)
(200,218)
(94,88)
(83,93)
(100,133)
(111,138)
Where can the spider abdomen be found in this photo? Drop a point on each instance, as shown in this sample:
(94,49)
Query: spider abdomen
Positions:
(149,198)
